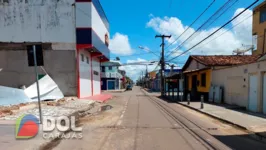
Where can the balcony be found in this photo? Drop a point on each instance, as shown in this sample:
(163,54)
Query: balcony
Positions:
(111,75)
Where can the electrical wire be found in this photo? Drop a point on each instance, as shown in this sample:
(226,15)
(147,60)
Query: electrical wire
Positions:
(208,22)
(191,24)
(216,30)
(226,31)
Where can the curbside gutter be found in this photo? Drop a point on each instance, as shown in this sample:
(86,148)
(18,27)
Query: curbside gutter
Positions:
(255,135)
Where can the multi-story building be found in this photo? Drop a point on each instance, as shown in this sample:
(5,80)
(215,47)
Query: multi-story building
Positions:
(74,38)
(259,29)
(111,76)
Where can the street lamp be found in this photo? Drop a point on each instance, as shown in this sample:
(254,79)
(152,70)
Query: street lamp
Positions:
(148,50)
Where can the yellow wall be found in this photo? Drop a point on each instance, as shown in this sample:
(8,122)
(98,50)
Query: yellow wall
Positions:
(199,87)
(152,74)
(258,28)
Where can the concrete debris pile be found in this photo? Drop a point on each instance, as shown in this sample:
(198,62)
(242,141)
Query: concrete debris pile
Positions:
(49,90)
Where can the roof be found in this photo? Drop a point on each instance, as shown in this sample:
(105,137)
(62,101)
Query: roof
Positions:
(222,60)
(259,6)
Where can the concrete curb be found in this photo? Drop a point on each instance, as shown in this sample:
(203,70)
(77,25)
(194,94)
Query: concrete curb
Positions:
(78,114)
(119,91)
(258,136)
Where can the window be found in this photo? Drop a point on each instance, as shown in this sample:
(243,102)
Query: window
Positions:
(82,57)
(96,73)
(87,59)
(103,68)
(110,67)
(203,80)
(262,15)
(255,41)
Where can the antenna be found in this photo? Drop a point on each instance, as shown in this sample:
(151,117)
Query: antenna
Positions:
(239,51)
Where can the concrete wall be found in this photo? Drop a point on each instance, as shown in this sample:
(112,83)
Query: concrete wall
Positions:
(96,77)
(83,15)
(43,21)
(60,65)
(85,74)
(235,81)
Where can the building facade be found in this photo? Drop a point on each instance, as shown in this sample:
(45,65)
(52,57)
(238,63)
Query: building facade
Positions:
(259,29)
(199,76)
(111,77)
(244,85)
(74,38)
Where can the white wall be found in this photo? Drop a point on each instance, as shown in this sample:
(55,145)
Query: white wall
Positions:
(96,78)
(31,22)
(235,81)
(98,25)
(60,65)
(85,74)
(195,65)
(83,15)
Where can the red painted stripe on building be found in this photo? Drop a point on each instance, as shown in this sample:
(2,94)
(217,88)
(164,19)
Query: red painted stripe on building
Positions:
(91,78)
(100,78)
(84,46)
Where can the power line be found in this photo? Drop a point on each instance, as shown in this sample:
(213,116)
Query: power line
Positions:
(148,53)
(227,31)
(216,30)
(191,24)
(206,24)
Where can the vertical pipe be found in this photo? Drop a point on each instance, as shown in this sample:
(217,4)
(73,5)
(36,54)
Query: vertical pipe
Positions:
(37,82)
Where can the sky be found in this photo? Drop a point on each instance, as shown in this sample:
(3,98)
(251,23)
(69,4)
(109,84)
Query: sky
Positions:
(135,23)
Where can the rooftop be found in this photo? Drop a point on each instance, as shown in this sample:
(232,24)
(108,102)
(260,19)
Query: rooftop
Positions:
(225,60)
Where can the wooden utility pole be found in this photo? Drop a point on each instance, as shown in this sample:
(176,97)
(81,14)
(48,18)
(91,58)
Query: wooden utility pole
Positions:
(162,62)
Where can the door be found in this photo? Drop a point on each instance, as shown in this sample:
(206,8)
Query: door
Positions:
(264,93)
(253,90)
(194,91)
(111,84)
(194,82)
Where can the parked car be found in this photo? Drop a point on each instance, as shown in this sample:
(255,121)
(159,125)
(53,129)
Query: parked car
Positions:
(129,87)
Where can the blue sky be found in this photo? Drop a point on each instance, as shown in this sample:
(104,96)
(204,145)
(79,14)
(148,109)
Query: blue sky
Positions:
(134,23)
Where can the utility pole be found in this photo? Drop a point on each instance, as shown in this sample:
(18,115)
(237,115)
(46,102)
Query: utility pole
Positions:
(162,62)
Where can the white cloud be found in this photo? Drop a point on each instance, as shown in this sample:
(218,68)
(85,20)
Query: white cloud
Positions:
(119,44)
(225,44)
(135,71)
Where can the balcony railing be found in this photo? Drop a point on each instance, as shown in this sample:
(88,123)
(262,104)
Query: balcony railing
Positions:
(111,75)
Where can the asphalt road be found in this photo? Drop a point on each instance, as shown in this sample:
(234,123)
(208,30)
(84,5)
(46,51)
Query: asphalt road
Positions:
(141,121)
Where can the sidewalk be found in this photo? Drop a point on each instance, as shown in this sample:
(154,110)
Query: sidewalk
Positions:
(114,91)
(102,98)
(253,122)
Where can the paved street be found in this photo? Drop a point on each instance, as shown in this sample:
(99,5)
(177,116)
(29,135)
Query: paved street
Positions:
(141,121)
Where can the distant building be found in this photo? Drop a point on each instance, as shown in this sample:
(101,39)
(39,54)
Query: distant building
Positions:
(259,29)
(111,77)
(200,74)
(74,36)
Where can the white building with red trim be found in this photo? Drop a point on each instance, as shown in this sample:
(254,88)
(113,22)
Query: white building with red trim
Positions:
(74,37)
